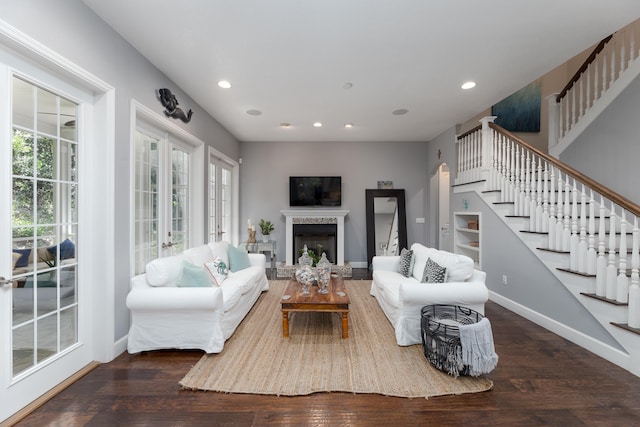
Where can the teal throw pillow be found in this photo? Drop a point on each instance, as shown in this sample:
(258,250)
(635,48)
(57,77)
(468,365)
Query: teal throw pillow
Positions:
(193,276)
(238,259)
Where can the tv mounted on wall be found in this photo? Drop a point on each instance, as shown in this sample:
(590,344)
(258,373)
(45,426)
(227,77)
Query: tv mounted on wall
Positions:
(315,191)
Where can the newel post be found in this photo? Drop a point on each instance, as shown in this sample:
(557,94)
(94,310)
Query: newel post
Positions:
(554,120)
(487,150)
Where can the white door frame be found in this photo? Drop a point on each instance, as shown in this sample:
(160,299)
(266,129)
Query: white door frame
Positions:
(439,208)
(96,161)
(234,238)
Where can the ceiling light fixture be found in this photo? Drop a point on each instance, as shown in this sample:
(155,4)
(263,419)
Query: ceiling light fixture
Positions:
(399,111)
(254,112)
(285,125)
(348,125)
(317,124)
(224,84)
(468,85)
(347,85)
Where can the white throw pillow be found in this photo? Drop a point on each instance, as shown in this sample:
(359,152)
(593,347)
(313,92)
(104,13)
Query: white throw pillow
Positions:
(198,255)
(219,249)
(218,270)
(164,271)
(459,267)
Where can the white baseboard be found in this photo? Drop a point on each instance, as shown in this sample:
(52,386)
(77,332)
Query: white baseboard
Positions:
(120,346)
(599,348)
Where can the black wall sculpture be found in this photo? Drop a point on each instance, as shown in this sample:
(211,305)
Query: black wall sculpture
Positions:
(170,104)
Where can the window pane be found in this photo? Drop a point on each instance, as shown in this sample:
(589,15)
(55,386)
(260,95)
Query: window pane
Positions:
(46,158)
(22,212)
(48,113)
(45,202)
(23,103)
(68,113)
(22,149)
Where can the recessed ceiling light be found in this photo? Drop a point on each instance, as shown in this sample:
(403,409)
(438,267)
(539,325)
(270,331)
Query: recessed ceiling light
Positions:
(285,125)
(468,85)
(400,111)
(347,85)
(254,112)
(317,124)
(224,84)
(348,125)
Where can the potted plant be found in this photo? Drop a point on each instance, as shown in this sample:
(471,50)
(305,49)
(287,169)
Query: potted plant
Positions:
(266,227)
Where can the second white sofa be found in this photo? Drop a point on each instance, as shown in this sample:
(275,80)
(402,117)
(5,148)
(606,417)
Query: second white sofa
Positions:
(402,298)
(167,313)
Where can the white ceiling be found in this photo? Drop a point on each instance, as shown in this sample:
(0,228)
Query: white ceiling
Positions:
(290,59)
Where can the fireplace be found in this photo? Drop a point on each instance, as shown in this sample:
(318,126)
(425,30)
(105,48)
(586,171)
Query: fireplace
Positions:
(317,237)
(328,222)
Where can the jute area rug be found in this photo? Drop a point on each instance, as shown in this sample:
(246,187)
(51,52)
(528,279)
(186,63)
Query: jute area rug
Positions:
(258,360)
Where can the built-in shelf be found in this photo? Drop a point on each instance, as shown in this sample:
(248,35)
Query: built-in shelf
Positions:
(468,235)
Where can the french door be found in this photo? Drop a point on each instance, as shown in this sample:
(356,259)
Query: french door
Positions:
(45,303)
(163,195)
(221,198)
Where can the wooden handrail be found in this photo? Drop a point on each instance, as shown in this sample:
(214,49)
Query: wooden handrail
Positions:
(469,132)
(584,67)
(611,195)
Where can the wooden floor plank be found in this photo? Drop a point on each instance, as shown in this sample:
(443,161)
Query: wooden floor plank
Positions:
(541,379)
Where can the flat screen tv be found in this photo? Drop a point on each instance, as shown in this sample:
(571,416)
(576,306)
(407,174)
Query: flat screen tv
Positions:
(315,191)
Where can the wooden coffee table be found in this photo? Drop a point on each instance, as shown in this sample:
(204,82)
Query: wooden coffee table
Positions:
(337,300)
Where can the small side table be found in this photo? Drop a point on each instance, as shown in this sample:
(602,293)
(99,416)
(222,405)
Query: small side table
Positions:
(263,247)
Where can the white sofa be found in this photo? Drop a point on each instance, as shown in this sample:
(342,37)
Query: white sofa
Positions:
(167,314)
(402,298)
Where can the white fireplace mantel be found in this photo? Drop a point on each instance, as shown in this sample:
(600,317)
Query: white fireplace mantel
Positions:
(294,216)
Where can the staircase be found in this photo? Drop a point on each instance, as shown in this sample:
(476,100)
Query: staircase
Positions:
(586,235)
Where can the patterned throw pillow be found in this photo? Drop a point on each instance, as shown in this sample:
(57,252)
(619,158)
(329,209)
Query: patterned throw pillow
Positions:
(433,272)
(218,270)
(406,262)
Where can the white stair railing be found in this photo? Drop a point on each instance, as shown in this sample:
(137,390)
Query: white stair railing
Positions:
(535,183)
(606,64)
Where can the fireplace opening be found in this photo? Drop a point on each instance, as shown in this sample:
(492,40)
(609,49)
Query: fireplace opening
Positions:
(318,238)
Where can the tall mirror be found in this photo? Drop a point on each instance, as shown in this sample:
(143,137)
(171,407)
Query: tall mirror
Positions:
(386,223)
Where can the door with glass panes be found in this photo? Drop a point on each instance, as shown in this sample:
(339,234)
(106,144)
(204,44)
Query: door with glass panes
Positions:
(220,199)
(162,196)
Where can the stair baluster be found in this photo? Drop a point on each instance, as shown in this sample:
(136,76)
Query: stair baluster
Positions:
(582,244)
(551,224)
(544,218)
(527,187)
(591,251)
(601,264)
(634,289)
(622,290)
(566,228)
(573,247)
(611,266)
(559,220)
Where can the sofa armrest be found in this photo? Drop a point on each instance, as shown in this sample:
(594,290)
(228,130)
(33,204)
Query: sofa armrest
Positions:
(387,263)
(170,298)
(258,260)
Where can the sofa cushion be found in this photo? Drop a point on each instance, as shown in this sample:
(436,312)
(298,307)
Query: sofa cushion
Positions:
(23,261)
(433,272)
(246,278)
(14,258)
(193,276)
(198,255)
(220,249)
(238,259)
(67,249)
(459,267)
(164,271)
(406,262)
(218,270)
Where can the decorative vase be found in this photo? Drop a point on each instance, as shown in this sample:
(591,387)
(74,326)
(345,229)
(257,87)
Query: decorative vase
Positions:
(323,269)
(304,273)
(265,238)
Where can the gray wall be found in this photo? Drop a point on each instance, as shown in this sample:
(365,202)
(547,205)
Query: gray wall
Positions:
(82,38)
(266,167)
(609,149)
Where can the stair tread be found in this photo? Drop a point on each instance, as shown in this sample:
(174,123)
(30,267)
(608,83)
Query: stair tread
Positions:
(567,270)
(626,327)
(604,299)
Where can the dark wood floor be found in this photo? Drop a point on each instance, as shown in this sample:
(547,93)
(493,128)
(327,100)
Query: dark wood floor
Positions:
(541,380)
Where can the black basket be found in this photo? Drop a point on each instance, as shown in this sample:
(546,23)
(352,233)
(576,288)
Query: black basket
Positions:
(441,336)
